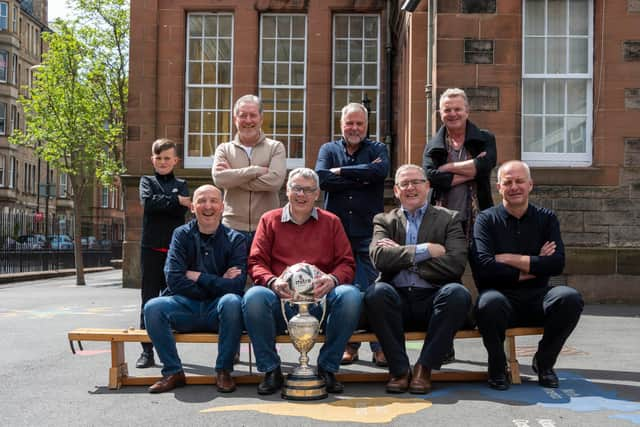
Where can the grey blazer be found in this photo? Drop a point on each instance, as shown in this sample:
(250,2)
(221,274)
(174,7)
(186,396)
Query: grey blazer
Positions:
(439,225)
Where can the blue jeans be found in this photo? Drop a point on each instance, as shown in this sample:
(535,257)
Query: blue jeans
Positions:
(182,314)
(366,274)
(263,319)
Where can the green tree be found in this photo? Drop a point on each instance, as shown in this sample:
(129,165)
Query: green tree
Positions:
(75,111)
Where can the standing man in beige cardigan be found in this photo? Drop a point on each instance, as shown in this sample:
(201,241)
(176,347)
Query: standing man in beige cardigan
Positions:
(251,169)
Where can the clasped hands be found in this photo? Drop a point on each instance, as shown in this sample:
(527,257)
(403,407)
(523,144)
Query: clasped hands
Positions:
(321,286)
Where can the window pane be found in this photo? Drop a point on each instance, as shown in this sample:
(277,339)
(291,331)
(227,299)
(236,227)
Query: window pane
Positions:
(579,17)
(282,53)
(210,26)
(557,56)
(268,74)
(534,18)
(209,99)
(195,98)
(297,50)
(554,97)
(224,73)
(370,74)
(208,122)
(195,25)
(355,50)
(340,74)
(341,26)
(534,55)
(208,145)
(532,97)
(210,47)
(340,50)
(355,27)
(209,76)
(268,26)
(224,123)
(284,26)
(195,72)
(194,121)
(557,15)
(193,146)
(578,52)
(370,50)
(268,50)
(282,74)
(532,134)
(371,27)
(355,74)
(297,74)
(224,26)
(195,49)
(298,23)
(577,97)
(554,135)
(224,49)
(576,135)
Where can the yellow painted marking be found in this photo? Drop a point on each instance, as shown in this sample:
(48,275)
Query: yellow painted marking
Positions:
(370,410)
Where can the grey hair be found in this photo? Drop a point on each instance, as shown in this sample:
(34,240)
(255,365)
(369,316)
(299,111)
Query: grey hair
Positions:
(454,93)
(247,99)
(304,173)
(505,165)
(355,106)
(406,168)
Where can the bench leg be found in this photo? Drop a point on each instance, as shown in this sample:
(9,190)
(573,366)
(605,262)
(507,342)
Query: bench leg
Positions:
(512,360)
(118,368)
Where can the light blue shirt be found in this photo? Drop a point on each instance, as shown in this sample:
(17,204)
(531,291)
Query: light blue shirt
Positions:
(410,277)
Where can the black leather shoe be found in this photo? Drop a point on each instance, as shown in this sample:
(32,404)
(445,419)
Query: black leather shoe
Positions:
(546,377)
(330,381)
(271,382)
(145,360)
(499,381)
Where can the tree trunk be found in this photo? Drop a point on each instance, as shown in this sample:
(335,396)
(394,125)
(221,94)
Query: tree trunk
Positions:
(77,242)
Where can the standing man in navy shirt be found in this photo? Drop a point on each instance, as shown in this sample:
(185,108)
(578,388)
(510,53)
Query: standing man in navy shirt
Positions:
(352,171)
(516,247)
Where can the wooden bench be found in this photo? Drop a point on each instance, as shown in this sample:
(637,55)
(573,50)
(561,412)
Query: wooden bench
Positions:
(119,374)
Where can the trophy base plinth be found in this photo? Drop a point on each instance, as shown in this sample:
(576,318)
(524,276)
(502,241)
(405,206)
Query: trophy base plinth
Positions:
(304,387)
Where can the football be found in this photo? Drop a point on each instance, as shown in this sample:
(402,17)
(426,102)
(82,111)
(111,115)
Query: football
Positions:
(300,278)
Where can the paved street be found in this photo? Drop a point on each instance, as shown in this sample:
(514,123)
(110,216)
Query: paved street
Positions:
(43,383)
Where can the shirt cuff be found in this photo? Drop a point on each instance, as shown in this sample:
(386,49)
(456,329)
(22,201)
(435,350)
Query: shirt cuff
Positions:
(422,253)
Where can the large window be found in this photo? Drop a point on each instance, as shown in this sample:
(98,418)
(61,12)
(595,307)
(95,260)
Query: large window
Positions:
(283,50)
(3,118)
(556,82)
(3,160)
(208,86)
(356,69)
(4,58)
(63,185)
(4,15)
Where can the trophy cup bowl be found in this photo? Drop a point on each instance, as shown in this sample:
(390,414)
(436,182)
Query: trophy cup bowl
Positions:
(303,383)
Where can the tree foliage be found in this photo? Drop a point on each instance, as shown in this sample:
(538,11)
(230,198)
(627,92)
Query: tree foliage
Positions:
(75,110)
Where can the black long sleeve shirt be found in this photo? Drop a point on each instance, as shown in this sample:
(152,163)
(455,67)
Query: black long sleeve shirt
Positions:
(497,232)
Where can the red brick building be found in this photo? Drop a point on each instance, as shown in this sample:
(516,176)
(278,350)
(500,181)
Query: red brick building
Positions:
(555,80)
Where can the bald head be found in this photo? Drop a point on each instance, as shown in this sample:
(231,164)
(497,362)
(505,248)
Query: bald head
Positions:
(206,188)
(207,206)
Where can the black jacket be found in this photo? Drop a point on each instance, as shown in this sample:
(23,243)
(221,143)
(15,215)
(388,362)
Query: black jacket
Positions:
(476,141)
(162,210)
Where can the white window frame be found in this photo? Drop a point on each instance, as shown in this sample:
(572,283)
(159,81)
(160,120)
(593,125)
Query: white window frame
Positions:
(273,106)
(15,19)
(560,159)
(201,161)
(4,15)
(14,69)
(352,89)
(3,162)
(3,118)
(62,179)
(13,172)
(3,78)
(104,202)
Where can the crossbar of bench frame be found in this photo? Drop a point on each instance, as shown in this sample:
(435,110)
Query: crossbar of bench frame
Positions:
(119,376)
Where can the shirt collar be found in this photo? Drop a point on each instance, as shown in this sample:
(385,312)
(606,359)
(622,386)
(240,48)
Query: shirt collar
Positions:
(419,212)
(286,214)
(504,213)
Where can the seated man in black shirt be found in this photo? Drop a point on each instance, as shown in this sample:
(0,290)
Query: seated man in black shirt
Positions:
(516,247)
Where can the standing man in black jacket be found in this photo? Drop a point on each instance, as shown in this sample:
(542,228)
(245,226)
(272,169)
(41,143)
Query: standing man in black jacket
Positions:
(459,159)
(165,200)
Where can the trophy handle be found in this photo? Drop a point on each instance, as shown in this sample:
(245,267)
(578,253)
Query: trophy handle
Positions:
(283,303)
(322,303)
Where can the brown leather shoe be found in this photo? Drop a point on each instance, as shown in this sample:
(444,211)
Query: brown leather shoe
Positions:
(168,383)
(399,384)
(349,356)
(379,359)
(421,381)
(224,382)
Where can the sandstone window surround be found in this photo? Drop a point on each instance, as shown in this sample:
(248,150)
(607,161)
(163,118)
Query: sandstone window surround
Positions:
(557,79)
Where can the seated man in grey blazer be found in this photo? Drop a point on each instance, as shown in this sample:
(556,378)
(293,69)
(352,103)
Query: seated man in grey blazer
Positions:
(421,252)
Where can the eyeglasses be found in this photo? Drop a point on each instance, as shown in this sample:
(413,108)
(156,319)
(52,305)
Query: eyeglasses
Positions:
(415,182)
(296,189)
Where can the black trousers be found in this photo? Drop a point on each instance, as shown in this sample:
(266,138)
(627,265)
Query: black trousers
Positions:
(153,282)
(557,309)
(440,312)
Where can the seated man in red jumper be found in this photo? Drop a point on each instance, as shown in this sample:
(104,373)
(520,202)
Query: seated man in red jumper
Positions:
(300,232)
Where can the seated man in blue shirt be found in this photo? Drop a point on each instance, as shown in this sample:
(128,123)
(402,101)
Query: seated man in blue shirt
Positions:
(421,252)
(516,247)
(206,270)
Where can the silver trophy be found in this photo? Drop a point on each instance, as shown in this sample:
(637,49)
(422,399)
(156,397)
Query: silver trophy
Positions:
(303,383)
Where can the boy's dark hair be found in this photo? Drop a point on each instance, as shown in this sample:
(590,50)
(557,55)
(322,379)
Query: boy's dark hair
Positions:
(162,144)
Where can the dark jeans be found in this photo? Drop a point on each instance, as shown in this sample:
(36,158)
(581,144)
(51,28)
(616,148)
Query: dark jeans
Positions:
(440,312)
(366,274)
(557,309)
(153,282)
